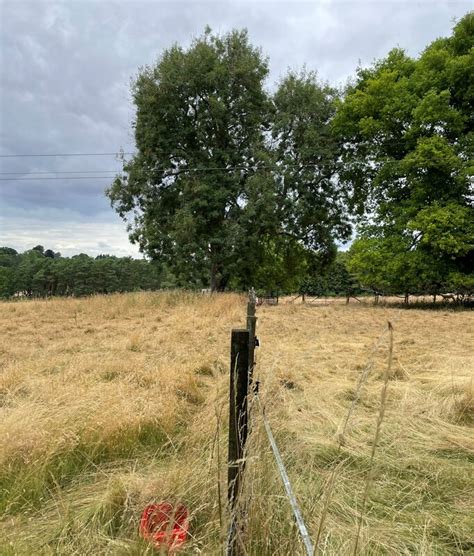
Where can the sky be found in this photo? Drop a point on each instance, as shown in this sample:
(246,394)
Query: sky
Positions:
(65,71)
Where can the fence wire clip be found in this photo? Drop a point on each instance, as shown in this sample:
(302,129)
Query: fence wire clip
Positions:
(255,387)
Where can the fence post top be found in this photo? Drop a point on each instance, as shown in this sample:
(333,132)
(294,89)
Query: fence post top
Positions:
(239,331)
(252,296)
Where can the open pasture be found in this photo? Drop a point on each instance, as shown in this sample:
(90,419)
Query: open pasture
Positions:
(112,402)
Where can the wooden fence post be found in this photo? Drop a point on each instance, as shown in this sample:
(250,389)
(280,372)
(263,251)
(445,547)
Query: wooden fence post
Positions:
(238,418)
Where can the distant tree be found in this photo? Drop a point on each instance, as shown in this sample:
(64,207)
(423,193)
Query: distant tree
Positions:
(9,259)
(39,248)
(7,252)
(7,281)
(334,279)
(282,267)
(30,263)
(43,281)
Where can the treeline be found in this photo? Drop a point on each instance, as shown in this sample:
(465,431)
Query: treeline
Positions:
(41,273)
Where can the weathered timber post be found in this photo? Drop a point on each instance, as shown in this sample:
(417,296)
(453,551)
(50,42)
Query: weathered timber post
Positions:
(242,362)
(238,419)
(251,327)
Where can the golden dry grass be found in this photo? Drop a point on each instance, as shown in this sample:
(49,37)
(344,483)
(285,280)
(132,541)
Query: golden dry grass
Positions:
(109,403)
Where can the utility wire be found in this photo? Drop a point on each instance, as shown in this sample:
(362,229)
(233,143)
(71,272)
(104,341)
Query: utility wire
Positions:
(28,172)
(164,173)
(24,155)
(60,178)
(63,154)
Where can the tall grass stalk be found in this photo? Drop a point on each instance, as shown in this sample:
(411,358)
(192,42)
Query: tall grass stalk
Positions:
(378,427)
(361,382)
(328,489)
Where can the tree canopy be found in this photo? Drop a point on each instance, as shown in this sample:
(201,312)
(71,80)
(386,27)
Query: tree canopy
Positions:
(228,176)
(407,128)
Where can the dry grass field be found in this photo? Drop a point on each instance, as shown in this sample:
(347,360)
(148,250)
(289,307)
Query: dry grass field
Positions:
(110,403)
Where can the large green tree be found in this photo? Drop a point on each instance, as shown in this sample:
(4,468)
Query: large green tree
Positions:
(227,177)
(200,120)
(407,126)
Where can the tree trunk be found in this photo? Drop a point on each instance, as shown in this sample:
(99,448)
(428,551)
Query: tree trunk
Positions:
(407,296)
(219,278)
(215,274)
(214,278)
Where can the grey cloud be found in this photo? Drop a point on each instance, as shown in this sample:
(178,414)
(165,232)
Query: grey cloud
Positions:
(65,231)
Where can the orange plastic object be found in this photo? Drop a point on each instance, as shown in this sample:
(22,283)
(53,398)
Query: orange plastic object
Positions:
(164,525)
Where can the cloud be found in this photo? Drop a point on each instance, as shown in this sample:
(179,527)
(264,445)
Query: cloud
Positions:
(65,71)
(62,229)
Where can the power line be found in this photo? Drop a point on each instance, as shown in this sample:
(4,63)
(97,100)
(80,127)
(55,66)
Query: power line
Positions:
(63,154)
(60,178)
(164,173)
(60,172)
(198,151)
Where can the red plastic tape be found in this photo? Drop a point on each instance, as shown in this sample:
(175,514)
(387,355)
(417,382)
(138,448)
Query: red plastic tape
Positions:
(164,525)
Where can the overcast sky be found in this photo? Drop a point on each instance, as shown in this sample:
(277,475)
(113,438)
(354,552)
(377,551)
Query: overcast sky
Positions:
(65,70)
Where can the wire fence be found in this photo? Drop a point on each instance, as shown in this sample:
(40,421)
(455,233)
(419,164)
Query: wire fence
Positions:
(234,538)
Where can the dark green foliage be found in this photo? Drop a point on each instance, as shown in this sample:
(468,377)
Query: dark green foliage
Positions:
(282,265)
(332,280)
(205,109)
(35,274)
(228,178)
(408,129)
(310,207)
